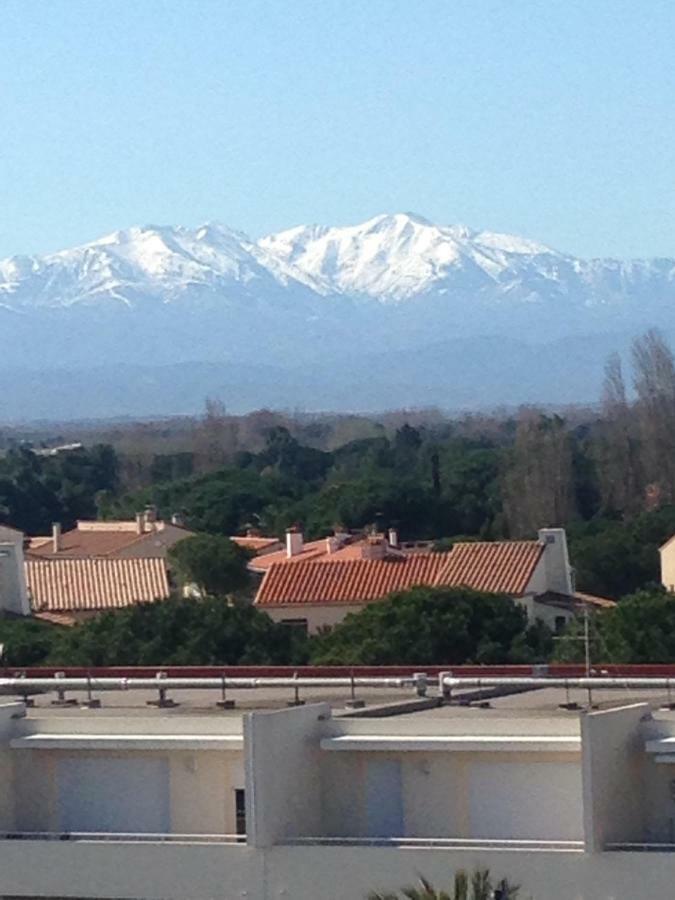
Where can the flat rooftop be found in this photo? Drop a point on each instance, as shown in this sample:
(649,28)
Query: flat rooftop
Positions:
(540,702)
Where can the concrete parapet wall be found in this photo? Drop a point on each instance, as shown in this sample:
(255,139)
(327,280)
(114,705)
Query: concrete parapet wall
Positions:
(222,872)
(613,767)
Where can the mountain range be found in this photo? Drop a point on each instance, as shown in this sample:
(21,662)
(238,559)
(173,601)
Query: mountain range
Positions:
(390,313)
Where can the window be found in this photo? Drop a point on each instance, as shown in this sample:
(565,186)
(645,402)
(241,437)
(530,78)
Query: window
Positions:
(300,624)
(560,622)
(240,811)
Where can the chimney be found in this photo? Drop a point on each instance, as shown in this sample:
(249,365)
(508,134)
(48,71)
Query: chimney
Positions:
(56,537)
(340,534)
(557,569)
(332,545)
(374,548)
(294,542)
(177,519)
(140,523)
(393,537)
(150,518)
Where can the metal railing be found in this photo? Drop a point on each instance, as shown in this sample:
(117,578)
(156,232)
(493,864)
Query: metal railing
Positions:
(122,837)
(81,683)
(60,683)
(639,847)
(561,846)
(445,683)
(607,682)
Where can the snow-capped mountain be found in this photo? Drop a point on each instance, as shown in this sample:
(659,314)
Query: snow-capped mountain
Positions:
(141,264)
(400,257)
(393,258)
(390,258)
(327,299)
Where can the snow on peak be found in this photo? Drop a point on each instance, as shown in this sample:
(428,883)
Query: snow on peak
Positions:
(393,257)
(390,258)
(151,261)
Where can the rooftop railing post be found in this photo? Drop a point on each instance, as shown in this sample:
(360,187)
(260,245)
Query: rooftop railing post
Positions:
(444,689)
(353,703)
(481,703)
(296,701)
(569,703)
(61,699)
(27,699)
(224,703)
(162,702)
(669,690)
(421,682)
(91,702)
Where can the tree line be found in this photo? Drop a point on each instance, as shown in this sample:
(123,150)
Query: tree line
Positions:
(606,474)
(423,626)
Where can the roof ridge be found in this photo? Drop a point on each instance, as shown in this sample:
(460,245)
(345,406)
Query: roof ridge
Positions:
(400,558)
(496,543)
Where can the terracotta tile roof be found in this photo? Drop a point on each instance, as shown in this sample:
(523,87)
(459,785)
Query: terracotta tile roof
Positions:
(316,551)
(311,550)
(504,567)
(577,601)
(80,544)
(258,544)
(346,581)
(63,585)
(95,539)
(501,567)
(55,618)
(593,600)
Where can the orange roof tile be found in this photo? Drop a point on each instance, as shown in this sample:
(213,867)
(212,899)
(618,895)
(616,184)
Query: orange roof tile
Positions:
(66,619)
(310,550)
(317,551)
(249,542)
(62,585)
(593,600)
(94,539)
(501,567)
(348,581)
(78,543)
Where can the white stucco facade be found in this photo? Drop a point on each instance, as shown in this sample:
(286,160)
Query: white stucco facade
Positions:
(335,806)
(552,574)
(13,588)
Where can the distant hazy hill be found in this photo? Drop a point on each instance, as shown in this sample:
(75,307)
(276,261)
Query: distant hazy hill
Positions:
(396,311)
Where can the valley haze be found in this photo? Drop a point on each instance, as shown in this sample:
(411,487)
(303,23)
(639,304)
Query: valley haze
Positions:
(394,312)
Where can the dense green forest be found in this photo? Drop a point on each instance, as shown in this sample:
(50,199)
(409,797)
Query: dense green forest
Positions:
(607,475)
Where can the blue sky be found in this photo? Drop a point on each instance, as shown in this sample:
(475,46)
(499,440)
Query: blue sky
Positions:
(555,120)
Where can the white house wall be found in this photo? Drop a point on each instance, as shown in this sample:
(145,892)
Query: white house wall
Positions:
(462,795)
(199,790)
(318,616)
(283,773)
(614,763)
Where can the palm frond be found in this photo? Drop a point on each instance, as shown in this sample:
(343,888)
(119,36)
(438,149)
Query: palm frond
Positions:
(461,891)
(481,884)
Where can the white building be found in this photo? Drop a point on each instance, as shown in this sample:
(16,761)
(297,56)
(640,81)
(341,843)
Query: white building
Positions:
(14,597)
(315,586)
(128,803)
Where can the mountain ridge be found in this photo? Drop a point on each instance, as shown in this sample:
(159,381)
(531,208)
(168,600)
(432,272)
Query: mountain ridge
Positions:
(388,258)
(339,304)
